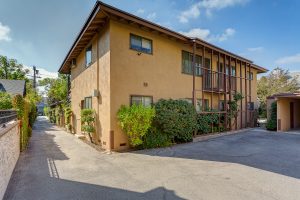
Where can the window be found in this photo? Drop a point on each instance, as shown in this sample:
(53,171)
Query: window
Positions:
(88,103)
(140,44)
(221,105)
(250,106)
(227,70)
(187,63)
(250,75)
(233,71)
(199,104)
(141,100)
(207,63)
(88,56)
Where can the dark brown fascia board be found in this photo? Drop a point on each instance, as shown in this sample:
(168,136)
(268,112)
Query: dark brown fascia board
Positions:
(130,17)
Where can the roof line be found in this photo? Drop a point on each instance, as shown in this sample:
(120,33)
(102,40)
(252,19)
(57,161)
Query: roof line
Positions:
(107,7)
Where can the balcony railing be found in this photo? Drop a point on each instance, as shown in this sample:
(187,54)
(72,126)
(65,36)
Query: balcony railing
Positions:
(215,81)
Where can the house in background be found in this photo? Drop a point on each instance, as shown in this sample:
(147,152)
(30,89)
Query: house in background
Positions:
(120,59)
(288,110)
(13,87)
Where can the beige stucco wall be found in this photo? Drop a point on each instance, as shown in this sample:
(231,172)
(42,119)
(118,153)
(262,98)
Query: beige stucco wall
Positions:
(9,153)
(283,113)
(122,72)
(84,80)
(160,70)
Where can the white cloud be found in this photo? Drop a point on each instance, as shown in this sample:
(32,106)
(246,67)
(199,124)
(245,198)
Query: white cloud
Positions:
(208,6)
(43,73)
(140,11)
(151,16)
(205,34)
(192,13)
(289,59)
(4,33)
(256,49)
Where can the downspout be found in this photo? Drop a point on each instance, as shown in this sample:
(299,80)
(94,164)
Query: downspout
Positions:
(193,64)
(99,95)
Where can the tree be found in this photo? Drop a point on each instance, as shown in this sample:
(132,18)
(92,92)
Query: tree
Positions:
(11,69)
(56,89)
(277,81)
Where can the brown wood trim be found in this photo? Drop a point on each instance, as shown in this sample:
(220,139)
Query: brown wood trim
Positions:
(111,139)
(279,124)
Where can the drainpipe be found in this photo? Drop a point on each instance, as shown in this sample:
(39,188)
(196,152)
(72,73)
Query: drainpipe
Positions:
(194,67)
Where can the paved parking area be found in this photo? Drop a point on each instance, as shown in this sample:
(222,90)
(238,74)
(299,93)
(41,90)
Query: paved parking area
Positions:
(251,165)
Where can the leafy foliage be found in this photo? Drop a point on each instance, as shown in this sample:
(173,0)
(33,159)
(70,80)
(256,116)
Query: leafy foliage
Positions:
(205,120)
(176,118)
(135,121)
(56,89)
(88,121)
(155,139)
(18,104)
(11,69)
(68,114)
(272,122)
(277,81)
(5,101)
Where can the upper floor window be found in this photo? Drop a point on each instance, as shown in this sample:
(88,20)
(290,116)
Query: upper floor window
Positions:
(250,75)
(207,63)
(88,56)
(146,101)
(140,44)
(187,63)
(233,71)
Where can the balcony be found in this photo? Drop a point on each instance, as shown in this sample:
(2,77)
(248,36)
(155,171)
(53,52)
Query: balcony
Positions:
(216,81)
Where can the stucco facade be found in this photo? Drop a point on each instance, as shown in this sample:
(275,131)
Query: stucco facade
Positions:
(117,72)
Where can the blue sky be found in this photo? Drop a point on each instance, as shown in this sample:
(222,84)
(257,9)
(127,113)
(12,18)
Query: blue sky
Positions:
(40,32)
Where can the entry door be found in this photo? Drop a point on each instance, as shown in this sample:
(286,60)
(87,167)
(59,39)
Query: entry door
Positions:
(292,114)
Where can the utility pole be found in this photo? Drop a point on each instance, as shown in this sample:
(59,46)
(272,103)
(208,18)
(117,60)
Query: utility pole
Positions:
(35,73)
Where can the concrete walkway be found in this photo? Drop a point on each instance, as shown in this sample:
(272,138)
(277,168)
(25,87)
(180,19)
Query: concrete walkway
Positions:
(251,165)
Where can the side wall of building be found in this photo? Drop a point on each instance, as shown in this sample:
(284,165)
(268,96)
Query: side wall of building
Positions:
(96,77)
(284,113)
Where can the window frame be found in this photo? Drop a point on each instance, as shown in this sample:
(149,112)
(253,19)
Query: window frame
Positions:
(86,50)
(84,102)
(250,75)
(250,106)
(190,55)
(142,96)
(140,50)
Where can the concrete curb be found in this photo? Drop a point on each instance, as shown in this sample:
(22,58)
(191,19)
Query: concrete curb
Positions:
(212,136)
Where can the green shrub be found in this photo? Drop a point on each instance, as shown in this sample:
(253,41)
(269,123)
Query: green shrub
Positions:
(5,101)
(68,115)
(18,104)
(88,122)
(176,118)
(32,113)
(25,130)
(135,121)
(272,122)
(46,111)
(154,139)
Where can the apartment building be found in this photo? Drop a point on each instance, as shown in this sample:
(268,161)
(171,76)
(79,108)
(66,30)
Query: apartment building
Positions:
(120,59)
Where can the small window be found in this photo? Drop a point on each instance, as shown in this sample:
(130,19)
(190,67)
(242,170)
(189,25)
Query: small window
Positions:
(250,106)
(88,56)
(221,105)
(141,100)
(140,44)
(250,75)
(187,63)
(199,106)
(88,102)
(207,63)
(233,71)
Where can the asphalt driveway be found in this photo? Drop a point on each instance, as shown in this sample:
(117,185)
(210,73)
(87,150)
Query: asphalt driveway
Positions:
(251,165)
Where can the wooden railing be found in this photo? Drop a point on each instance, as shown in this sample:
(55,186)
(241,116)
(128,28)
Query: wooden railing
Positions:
(215,81)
